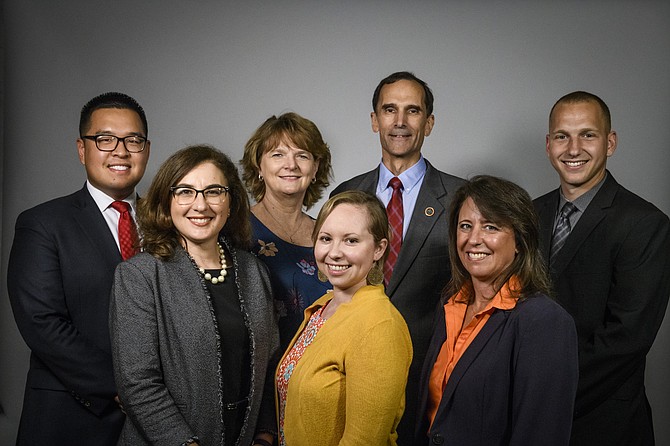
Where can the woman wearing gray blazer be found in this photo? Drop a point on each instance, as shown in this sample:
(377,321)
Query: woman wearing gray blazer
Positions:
(194,334)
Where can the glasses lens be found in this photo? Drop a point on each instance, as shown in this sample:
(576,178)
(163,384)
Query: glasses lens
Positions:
(214,195)
(184,195)
(106,142)
(134,143)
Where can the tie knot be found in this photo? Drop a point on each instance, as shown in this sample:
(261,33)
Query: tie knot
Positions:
(121,206)
(568,210)
(395,183)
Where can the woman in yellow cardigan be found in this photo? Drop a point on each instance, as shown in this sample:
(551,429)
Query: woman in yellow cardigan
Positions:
(342,379)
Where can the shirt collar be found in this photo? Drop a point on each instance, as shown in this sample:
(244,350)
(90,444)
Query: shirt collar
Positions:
(505,299)
(583,201)
(410,178)
(102,200)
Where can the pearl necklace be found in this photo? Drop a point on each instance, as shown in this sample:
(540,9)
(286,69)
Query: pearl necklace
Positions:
(222,274)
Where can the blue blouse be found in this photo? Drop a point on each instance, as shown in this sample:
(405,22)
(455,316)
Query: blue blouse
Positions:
(293,273)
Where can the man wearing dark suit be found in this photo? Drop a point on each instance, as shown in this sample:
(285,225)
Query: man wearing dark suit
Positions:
(611,272)
(60,275)
(403,115)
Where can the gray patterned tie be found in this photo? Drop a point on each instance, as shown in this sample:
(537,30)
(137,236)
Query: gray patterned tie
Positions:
(562,229)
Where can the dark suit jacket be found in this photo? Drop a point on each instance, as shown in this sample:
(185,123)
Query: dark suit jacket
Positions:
(612,275)
(59,279)
(514,385)
(421,271)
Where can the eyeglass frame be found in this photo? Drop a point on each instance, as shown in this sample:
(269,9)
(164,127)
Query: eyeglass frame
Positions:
(226,192)
(94,138)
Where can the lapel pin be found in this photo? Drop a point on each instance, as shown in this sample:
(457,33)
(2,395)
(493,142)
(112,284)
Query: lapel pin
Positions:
(429,211)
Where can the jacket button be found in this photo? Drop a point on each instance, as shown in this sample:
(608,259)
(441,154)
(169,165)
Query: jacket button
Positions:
(437,439)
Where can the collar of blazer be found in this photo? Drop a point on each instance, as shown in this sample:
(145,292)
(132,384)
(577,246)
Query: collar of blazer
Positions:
(432,195)
(593,215)
(92,225)
(496,320)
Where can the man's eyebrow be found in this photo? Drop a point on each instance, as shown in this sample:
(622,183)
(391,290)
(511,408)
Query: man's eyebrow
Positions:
(394,105)
(416,106)
(579,131)
(112,133)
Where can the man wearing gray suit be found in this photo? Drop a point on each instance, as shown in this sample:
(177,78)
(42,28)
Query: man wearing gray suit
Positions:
(403,116)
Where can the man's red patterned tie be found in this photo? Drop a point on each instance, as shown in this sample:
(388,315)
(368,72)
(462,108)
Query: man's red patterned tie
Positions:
(127,230)
(395,214)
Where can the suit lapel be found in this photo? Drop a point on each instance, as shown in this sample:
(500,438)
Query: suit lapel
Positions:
(473,351)
(436,342)
(93,225)
(547,215)
(593,215)
(369,182)
(431,205)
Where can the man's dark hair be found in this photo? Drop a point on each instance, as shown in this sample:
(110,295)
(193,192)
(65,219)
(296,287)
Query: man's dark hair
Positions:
(407,76)
(110,100)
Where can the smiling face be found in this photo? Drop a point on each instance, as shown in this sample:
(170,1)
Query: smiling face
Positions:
(402,121)
(578,145)
(345,250)
(114,173)
(287,170)
(200,222)
(485,249)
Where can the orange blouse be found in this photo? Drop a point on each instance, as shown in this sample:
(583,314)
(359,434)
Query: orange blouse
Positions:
(460,337)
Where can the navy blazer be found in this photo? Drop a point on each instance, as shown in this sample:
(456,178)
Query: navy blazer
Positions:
(421,271)
(612,277)
(514,385)
(59,279)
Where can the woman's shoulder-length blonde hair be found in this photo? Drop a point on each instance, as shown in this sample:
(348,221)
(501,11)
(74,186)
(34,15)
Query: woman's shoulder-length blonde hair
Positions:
(288,128)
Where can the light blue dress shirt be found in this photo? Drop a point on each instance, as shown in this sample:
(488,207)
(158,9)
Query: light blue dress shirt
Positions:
(411,179)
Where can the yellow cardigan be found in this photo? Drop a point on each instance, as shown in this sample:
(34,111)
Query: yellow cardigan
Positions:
(349,386)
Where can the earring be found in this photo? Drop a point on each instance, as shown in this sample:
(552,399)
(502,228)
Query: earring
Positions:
(314,180)
(260,177)
(375,275)
(322,277)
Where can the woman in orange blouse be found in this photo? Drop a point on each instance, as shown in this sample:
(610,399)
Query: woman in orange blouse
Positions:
(502,365)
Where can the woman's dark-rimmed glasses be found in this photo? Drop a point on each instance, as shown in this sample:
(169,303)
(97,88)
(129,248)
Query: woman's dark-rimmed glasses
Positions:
(185,195)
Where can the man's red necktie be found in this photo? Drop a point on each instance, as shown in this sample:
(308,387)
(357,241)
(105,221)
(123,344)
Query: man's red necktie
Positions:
(395,214)
(127,231)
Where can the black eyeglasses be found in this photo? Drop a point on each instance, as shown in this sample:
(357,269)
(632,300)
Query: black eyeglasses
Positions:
(185,195)
(109,143)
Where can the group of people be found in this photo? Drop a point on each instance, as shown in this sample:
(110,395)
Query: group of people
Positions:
(417,308)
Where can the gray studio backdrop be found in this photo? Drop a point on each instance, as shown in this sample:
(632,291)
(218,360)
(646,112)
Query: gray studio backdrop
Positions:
(211,71)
